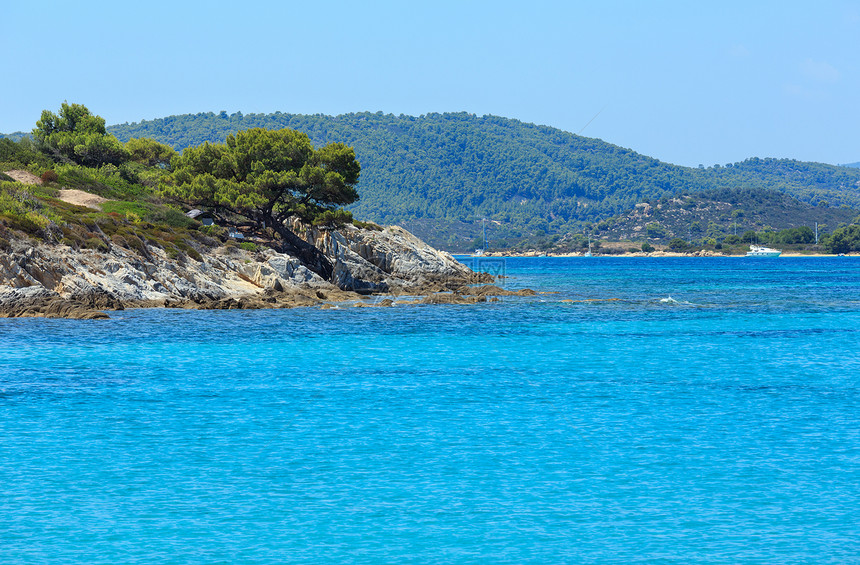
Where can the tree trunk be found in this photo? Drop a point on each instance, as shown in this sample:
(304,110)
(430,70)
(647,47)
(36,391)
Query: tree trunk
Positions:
(309,255)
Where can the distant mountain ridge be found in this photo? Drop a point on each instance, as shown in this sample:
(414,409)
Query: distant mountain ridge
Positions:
(455,168)
(854,165)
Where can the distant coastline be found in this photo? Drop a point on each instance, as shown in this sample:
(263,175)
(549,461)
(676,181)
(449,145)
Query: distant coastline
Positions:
(654,255)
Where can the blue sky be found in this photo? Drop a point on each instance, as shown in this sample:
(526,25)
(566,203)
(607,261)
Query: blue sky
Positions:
(685,82)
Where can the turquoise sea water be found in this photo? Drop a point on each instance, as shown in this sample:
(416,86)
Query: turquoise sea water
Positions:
(720,426)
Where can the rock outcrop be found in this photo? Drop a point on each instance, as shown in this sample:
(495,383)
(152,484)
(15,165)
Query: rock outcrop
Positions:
(39,302)
(389,260)
(41,279)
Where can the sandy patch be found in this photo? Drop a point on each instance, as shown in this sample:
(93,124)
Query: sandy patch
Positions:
(81,198)
(24,177)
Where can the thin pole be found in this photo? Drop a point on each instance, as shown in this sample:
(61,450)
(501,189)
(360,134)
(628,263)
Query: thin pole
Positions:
(484,222)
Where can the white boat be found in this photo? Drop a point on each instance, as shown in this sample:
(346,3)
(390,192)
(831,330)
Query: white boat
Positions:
(761,251)
(588,253)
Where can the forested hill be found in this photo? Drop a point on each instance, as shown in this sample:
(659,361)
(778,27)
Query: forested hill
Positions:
(455,168)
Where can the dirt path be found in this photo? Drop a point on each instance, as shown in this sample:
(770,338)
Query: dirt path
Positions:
(24,177)
(81,198)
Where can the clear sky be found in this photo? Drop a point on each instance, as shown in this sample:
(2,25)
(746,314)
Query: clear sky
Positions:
(686,82)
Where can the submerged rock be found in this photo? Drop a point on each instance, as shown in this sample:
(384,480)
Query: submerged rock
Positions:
(452,298)
(493,290)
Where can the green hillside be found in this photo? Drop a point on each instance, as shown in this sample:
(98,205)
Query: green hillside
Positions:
(715,214)
(439,174)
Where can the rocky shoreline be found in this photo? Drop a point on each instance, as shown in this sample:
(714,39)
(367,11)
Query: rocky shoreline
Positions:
(384,267)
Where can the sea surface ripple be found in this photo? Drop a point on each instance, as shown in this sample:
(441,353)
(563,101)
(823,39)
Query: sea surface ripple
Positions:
(596,423)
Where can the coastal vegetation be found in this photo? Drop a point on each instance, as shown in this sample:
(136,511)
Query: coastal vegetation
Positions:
(439,175)
(267,178)
(252,182)
(845,239)
(78,136)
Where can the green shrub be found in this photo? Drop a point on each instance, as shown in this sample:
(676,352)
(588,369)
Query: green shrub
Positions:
(136,244)
(647,247)
(80,136)
(203,238)
(128,173)
(21,154)
(170,217)
(19,222)
(124,209)
(248,246)
(844,239)
(73,176)
(38,219)
(655,230)
(95,243)
(749,236)
(150,152)
(366,225)
(149,178)
(73,236)
(137,212)
(106,181)
(332,218)
(20,210)
(184,245)
(214,231)
(678,244)
(194,254)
